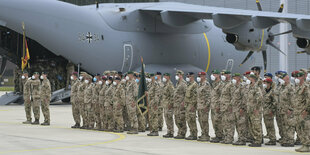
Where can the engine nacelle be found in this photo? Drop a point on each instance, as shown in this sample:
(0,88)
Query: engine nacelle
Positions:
(232,38)
(302,43)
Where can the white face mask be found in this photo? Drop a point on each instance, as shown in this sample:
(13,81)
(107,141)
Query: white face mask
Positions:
(223,78)
(252,73)
(297,81)
(164,80)
(307,79)
(41,77)
(234,81)
(245,78)
(265,86)
(198,79)
(107,82)
(23,77)
(71,78)
(308,75)
(248,82)
(281,81)
(187,79)
(212,77)
(149,80)
(123,80)
(127,78)
(33,77)
(114,83)
(276,78)
(177,78)
(81,77)
(100,82)
(264,79)
(86,81)
(292,78)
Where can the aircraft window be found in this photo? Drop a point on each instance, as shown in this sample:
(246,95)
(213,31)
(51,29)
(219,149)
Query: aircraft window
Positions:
(102,37)
(251,30)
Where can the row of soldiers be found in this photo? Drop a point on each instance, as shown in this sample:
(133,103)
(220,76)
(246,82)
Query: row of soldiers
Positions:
(36,93)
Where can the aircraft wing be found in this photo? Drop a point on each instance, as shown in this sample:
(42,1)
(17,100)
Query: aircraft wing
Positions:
(180,14)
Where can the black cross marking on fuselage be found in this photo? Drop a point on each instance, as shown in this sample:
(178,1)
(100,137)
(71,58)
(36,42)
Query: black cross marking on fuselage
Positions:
(89,37)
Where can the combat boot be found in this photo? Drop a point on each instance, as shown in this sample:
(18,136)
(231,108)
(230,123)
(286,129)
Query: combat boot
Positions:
(154,133)
(77,125)
(216,140)
(179,137)
(36,122)
(204,138)
(304,148)
(287,145)
(168,135)
(45,123)
(83,127)
(132,132)
(191,137)
(118,131)
(255,145)
(239,143)
(141,130)
(297,142)
(160,129)
(27,122)
(271,142)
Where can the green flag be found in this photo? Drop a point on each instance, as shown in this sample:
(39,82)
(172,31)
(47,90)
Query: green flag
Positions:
(142,98)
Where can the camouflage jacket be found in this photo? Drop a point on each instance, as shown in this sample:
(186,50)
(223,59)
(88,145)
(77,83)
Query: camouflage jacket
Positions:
(237,98)
(254,99)
(179,94)
(269,101)
(46,91)
(36,89)
(226,97)
(102,94)
(119,96)
(191,97)
(168,95)
(203,95)
(161,88)
(216,94)
(302,101)
(109,95)
(286,99)
(153,95)
(74,90)
(88,93)
(27,88)
(81,90)
(96,90)
(131,92)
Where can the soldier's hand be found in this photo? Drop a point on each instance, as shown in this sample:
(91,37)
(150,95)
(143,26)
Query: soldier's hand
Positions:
(193,109)
(133,104)
(289,112)
(255,112)
(304,114)
(271,114)
(217,109)
(241,111)
(206,110)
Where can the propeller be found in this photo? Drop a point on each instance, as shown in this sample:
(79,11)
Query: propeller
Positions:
(269,40)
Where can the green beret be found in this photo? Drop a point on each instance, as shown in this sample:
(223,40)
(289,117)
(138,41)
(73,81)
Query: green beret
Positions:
(35,73)
(253,76)
(226,72)
(24,72)
(300,74)
(152,74)
(216,72)
(166,74)
(130,72)
(236,74)
(106,72)
(179,72)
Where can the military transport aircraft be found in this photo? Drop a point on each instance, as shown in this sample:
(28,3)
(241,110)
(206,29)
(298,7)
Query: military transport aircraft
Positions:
(167,35)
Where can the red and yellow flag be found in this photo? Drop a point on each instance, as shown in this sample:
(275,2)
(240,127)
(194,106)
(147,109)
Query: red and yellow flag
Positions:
(26,55)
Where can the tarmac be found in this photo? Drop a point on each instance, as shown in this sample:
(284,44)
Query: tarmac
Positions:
(59,138)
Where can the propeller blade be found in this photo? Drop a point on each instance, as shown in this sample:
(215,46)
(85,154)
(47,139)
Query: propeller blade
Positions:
(301,52)
(269,28)
(281,8)
(259,7)
(246,58)
(274,46)
(282,33)
(264,52)
(3,66)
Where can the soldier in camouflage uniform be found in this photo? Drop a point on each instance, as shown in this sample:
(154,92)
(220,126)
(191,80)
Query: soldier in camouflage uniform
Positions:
(279,115)
(216,116)
(80,94)
(153,96)
(17,80)
(75,83)
(131,105)
(118,104)
(269,110)
(46,93)
(140,116)
(70,70)
(108,104)
(88,101)
(125,111)
(226,108)
(101,103)
(95,102)
(36,97)
(161,108)
(27,97)
(254,109)
(203,105)
(179,106)
(239,110)
(191,105)
(167,102)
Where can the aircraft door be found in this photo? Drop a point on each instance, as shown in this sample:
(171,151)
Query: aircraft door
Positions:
(128,56)
(230,64)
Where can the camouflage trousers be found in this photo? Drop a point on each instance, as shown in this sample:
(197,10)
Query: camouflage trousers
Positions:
(108,110)
(203,118)
(153,118)
(180,121)
(82,110)
(269,124)
(27,105)
(126,118)
(228,125)
(290,126)
(118,116)
(76,112)
(255,124)
(303,128)
(88,115)
(160,117)
(102,117)
(45,103)
(141,120)
(191,120)
(280,123)
(216,117)
(132,113)
(168,113)
(36,108)
(240,121)
(97,117)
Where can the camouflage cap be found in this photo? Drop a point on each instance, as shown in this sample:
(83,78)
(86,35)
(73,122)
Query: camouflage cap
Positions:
(113,72)
(304,70)
(147,74)
(179,72)
(167,74)
(106,72)
(236,75)
(83,73)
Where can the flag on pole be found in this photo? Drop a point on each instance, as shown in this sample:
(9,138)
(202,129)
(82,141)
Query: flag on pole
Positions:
(26,55)
(142,98)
